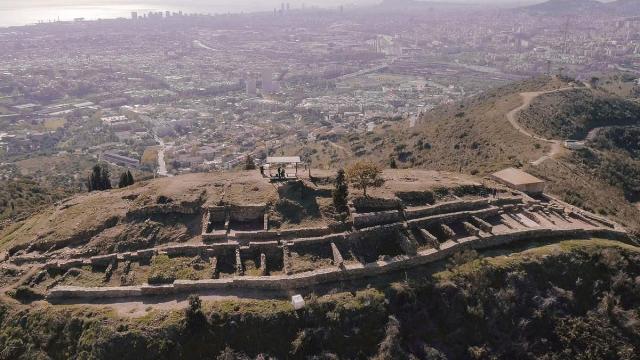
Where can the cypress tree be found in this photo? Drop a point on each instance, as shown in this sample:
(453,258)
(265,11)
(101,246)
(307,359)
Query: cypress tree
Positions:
(94,182)
(99,179)
(392,163)
(340,192)
(124,180)
(105,178)
(249,164)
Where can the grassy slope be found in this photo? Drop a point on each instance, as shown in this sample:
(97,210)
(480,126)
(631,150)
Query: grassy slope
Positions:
(79,219)
(503,306)
(472,137)
(19,197)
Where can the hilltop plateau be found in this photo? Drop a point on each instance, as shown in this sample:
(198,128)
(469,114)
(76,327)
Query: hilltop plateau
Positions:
(170,210)
(374,179)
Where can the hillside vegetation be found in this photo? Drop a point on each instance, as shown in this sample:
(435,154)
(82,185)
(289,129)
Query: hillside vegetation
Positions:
(580,186)
(515,307)
(30,185)
(572,114)
(473,136)
(20,196)
(623,140)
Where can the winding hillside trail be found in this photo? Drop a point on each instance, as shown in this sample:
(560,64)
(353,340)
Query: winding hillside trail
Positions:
(527,99)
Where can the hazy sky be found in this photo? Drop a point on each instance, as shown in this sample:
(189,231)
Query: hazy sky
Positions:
(21,12)
(8,4)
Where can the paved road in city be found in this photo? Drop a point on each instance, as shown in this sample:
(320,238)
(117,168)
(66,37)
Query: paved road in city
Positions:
(162,165)
(366,71)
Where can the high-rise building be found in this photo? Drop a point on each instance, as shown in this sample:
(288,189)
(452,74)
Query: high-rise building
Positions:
(134,15)
(252,87)
(267,81)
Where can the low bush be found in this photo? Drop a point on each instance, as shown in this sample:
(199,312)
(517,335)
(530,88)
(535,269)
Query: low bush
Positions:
(161,271)
(25,294)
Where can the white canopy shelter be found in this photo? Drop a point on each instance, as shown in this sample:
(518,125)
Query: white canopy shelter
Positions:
(285,161)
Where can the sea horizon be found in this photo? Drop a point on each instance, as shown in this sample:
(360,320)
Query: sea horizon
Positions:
(36,12)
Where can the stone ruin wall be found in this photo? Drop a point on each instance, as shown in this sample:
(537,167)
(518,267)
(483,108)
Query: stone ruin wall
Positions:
(376,204)
(184,208)
(447,207)
(281,234)
(271,242)
(247,213)
(372,219)
(304,280)
(217,214)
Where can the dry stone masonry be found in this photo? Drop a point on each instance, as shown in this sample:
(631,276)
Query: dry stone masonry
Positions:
(239,251)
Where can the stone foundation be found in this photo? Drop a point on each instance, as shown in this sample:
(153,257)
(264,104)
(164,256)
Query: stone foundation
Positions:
(351,271)
(388,239)
(377,218)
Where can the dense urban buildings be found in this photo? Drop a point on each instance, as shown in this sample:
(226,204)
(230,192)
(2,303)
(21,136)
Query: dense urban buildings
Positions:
(206,91)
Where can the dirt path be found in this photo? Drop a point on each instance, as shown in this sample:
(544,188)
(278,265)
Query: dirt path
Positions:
(338,146)
(512,116)
(140,306)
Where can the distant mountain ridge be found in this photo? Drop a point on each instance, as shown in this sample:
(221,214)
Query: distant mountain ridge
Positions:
(566,7)
(628,7)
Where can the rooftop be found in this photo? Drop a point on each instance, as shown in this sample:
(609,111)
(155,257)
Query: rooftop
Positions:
(284,160)
(516,177)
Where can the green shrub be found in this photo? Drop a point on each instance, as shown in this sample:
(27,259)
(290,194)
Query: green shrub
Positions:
(162,271)
(194,316)
(25,294)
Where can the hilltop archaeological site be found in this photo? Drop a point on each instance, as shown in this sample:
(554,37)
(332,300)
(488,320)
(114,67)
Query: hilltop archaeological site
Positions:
(240,233)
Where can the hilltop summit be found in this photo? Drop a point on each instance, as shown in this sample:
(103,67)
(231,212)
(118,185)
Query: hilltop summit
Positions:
(567,7)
